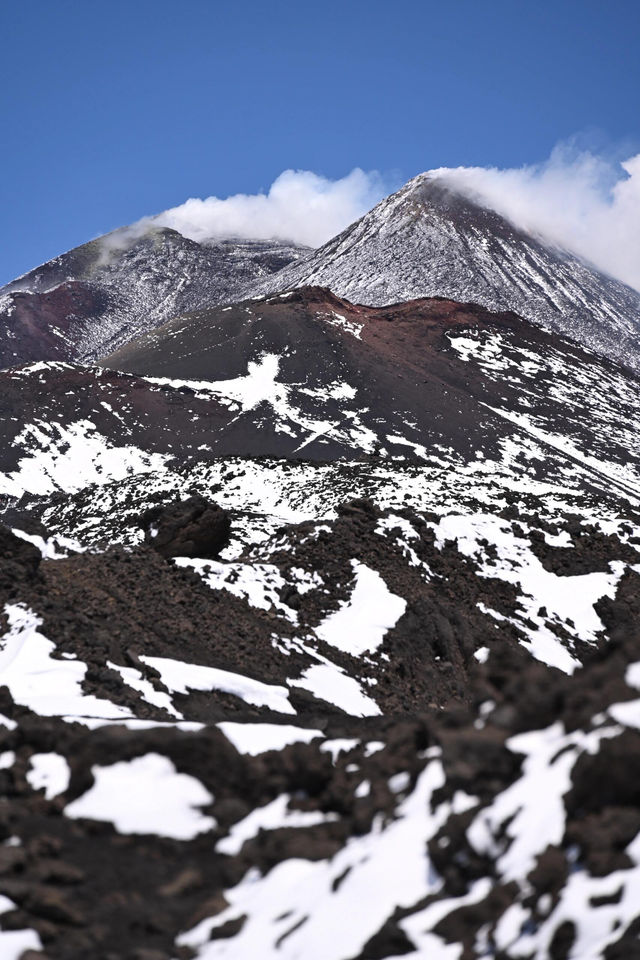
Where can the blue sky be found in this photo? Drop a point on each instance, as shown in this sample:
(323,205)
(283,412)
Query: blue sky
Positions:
(112,111)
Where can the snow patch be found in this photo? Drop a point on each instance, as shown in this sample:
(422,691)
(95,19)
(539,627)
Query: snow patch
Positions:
(145,796)
(49,771)
(360,625)
(328,682)
(180,677)
(49,687)
(256,738)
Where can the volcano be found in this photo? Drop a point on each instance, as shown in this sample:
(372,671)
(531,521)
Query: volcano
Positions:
(429,239)
(319,612)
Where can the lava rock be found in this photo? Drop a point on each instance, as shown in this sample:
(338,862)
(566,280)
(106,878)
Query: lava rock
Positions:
(19,561)
(191,528)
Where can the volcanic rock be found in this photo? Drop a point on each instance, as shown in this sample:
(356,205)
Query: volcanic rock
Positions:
(190,528)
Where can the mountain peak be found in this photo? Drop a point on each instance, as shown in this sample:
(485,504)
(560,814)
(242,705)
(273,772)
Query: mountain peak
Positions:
(430,239)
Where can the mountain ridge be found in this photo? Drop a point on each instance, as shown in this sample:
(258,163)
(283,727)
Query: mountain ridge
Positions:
(430,240)
(105,292)
(427,239)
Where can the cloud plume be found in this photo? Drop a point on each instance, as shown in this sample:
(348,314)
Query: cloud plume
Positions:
(300,206)
(580,201)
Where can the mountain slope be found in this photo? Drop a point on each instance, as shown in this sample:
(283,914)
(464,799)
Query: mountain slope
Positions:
(93,298)
(428,240)
(428,402)
(214,749)
(307,371)
(378,702)
(438,406)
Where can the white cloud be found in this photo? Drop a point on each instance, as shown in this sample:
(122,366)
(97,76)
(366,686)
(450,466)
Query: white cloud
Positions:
(580,200)
(300,206)
(583,202)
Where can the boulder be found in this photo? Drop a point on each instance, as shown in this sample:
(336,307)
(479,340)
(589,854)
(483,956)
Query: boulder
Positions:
(190,528)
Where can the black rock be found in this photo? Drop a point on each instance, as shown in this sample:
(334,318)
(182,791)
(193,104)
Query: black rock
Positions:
(191,528)
(19,561)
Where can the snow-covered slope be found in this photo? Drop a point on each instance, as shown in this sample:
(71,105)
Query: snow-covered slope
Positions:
(449,386)
(94,298)
(319,638)
(428,240)
(443,408)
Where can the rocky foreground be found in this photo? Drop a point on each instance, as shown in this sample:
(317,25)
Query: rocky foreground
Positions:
(336,745)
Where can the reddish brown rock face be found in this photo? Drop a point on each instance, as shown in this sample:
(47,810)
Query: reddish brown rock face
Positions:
(47,325)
